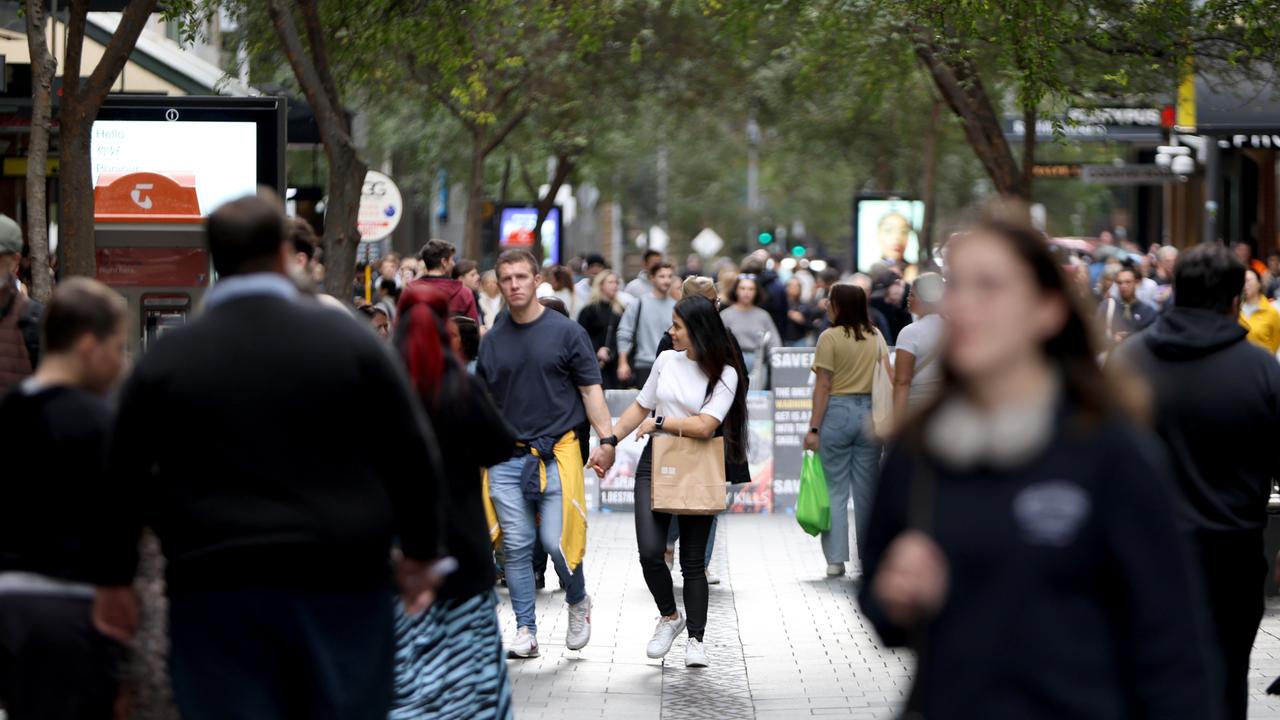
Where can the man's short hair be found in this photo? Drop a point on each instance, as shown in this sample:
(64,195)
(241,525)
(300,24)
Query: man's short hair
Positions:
(664,265)
(435,252)
(1127,269)
(596,259)
(81,305)
(245,235)
(303,237)
(464,266)
(517,255)
(649,256)
(1208,277)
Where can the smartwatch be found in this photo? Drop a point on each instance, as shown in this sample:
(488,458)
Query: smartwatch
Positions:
(609,440)
(813,430)
(659,421)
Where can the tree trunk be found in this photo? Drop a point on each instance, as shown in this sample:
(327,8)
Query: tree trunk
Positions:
(43,66)
(75,184)
(960,87)
(346,170)
(564,166)
(474,233)
(81,99)
(341,232)
(1028,150)
(930,190)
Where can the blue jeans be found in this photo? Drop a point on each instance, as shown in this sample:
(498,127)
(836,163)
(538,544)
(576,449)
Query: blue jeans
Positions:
(674,534)
(851,461)
(518,519)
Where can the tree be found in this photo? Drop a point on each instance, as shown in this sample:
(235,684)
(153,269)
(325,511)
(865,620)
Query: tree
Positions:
(1031,56)
(81,100)
(43,67)
(346,171)
(490,64)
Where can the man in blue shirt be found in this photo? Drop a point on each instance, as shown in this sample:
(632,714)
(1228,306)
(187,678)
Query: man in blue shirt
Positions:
(543,374)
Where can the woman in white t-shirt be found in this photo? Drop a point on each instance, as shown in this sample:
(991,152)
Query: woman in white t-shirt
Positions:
(917,367)
(695,390)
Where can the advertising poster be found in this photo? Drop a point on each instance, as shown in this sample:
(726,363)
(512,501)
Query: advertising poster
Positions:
(515,229)
(222,156)
(757,495)
(887,231)
(792,407)
(617,487)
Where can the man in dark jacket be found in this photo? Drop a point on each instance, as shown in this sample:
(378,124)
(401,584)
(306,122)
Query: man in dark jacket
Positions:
(1217,408)
(19,315)
(232,445)
(1120,317)
(437,255)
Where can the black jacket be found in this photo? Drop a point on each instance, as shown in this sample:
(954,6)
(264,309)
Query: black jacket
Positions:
(469,425)
(236,443)
(1217,408)
(1070,593)
(52,486)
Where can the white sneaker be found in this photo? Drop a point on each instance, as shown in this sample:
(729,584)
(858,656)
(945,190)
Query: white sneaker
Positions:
(695,654)
(835,569)
(579,625)
(712,579)
(664,635)
(524,646)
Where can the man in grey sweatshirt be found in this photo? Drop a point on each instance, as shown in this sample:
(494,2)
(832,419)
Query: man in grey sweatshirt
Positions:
(642,326)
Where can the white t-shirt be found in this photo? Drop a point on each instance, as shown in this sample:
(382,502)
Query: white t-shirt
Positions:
(677,388)
(921,339)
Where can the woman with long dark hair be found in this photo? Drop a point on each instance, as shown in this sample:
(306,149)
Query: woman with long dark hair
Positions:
(1025,520)
(840,426)
(698,389)
(449,659)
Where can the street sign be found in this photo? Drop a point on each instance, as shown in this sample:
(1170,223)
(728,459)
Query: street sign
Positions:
(707,243)
(381,207)
(1145,174)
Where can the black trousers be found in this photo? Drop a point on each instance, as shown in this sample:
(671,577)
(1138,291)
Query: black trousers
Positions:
(1234,570)
(53,664)
(651,537)
(267,654)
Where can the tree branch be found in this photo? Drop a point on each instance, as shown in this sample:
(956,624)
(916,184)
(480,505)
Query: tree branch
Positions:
(75,46)
(328,115)
(502,132)
(320,57)
(118,50)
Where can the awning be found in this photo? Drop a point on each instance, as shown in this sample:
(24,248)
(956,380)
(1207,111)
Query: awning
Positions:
(1238,106)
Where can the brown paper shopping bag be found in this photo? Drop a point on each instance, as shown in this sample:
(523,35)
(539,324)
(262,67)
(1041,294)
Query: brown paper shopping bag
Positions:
(688,475)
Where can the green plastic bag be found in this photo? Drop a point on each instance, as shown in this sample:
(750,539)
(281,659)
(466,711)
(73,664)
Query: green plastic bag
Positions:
(813,506)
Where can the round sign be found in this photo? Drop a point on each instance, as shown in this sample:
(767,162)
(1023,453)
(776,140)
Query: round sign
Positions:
(380,207)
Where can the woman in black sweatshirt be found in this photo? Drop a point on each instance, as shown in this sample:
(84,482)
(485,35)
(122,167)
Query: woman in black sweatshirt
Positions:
(1022,539)
(449,660)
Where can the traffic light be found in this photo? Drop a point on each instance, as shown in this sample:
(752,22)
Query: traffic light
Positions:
(765,238)
(798,251)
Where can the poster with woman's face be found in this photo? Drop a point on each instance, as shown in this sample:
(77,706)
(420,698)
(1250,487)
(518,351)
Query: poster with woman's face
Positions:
(888,231)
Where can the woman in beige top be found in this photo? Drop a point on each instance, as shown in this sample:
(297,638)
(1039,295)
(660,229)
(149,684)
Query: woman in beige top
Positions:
(844,363)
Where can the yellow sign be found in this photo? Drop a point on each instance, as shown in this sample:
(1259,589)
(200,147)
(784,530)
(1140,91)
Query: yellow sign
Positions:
(17,166)
(1186,120)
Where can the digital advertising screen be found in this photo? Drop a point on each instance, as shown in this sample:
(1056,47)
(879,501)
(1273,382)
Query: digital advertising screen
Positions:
(887,230)
(515,229)
(222,157)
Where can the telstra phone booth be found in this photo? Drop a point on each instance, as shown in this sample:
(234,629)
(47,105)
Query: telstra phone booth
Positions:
(160,166)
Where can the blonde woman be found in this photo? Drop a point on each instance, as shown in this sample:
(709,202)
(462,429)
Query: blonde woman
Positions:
(489,299)
(600,319)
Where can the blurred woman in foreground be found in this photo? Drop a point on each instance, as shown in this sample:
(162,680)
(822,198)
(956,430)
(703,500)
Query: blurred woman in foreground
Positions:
(449,659)
(1022,539)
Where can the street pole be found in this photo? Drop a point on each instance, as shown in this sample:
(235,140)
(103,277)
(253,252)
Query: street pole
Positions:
(753,178)
(1212,189)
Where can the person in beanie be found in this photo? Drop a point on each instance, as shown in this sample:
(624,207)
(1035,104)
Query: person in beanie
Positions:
(19,314)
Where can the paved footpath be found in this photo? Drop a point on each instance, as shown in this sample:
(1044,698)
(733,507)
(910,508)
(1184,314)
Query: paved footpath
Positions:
(784,642)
